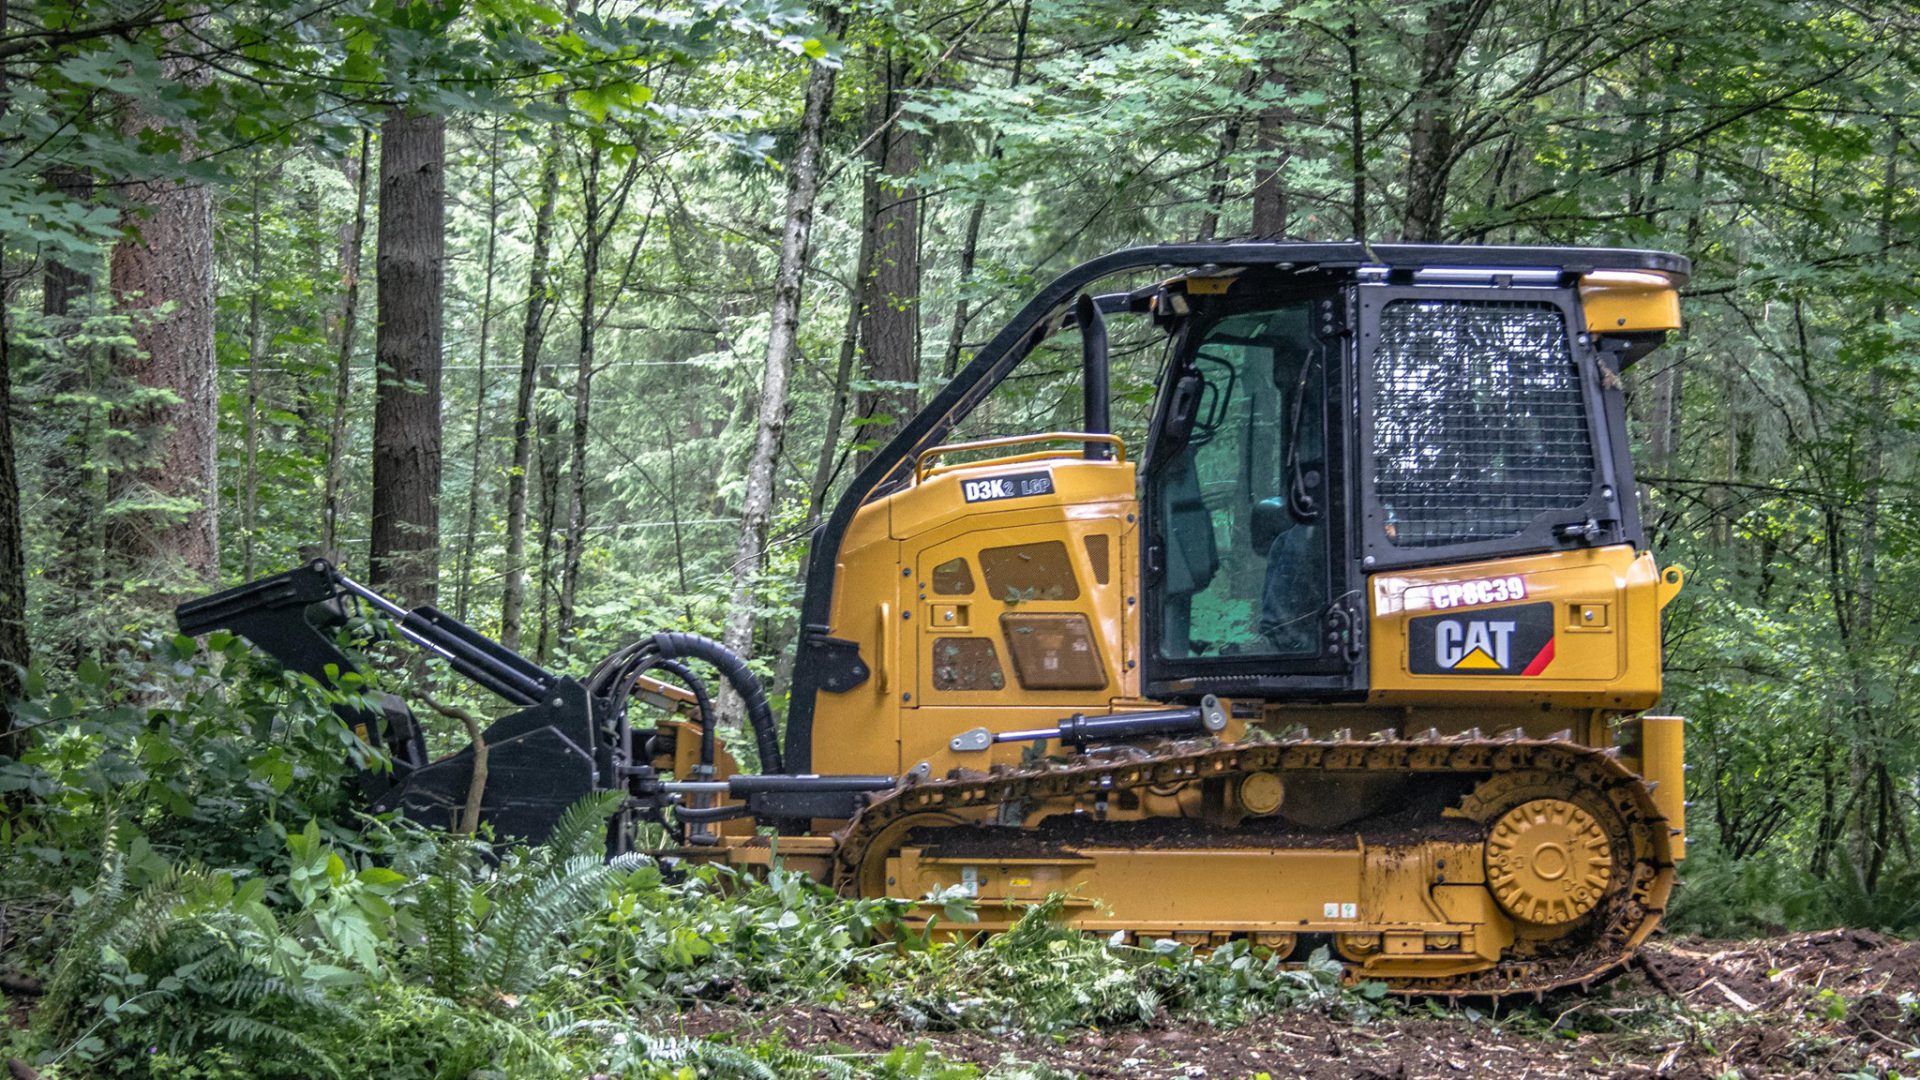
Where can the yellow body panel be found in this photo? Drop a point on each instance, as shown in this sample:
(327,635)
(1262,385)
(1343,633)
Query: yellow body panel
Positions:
(1606,630)
(886,599)
(1630,301)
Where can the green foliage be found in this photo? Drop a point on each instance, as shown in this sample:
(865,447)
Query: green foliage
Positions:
(450,954)
(1724,897)
(1044,976)
(717,936)
(200,755)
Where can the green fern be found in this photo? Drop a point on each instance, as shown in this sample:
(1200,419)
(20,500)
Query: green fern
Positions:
(446,908)
(582,829)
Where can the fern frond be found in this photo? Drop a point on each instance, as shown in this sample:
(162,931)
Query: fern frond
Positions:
(582,830)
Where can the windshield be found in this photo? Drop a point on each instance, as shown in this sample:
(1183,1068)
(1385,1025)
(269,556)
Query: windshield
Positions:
(1239,493)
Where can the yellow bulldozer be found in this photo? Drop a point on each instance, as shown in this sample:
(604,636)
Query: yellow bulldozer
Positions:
(1353,653)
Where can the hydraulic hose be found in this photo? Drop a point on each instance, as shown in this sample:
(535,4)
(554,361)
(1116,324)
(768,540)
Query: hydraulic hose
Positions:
(705,703)
(674,645)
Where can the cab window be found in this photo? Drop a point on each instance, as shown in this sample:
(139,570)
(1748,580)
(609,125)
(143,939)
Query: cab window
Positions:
(1238,486)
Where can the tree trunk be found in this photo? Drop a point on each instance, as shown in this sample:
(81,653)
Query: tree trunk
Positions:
(463,584)
(250,420)
(350,248)
(576,538)
(166,261)
(13,576)
(546,439)
(67,485)
(1270,207)
(514,598)
(1356,134)
(891,332)
(826,465)
(1867,766)
(803,187)
(1217,184)
(14,654)
(1430,142)
(406,414)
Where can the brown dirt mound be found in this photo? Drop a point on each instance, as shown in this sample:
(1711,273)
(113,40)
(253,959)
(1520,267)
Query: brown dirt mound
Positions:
(1804,1005)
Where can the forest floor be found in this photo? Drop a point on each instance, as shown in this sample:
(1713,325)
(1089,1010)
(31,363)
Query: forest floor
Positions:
(1818,1004)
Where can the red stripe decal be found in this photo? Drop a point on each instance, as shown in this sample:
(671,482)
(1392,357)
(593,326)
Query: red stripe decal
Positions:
(1541,661)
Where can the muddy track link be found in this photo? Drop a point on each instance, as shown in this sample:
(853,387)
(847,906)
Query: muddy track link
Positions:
(1512,768)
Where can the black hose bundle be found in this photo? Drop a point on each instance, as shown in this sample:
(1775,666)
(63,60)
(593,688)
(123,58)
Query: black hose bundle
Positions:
(613,680)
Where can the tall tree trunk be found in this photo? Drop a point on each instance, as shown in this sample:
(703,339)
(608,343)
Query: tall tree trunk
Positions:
(1356,128)
(66,480)
(13,575)
(546,437)
(1867,766)
(1450,24)
(514,597)
(14,654)
(463,584)
(1270,206)
(803,188)
(576,539)
(350,248)
(250,420)
(891,333)
(406,412)
(166,261)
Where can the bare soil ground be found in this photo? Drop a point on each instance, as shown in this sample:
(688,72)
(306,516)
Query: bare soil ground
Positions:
(1820,1004)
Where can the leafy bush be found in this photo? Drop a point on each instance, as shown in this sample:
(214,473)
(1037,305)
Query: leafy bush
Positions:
(415,970)
(716,935)
(206,753)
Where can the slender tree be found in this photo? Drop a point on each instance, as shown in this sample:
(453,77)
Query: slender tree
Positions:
(350,251)
(803,189)
(256,346)
(14,655)
(593,235)
(469,537)
(532,331)
(67,482)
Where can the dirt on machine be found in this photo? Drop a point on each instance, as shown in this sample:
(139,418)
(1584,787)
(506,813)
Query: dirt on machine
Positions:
(1355,650)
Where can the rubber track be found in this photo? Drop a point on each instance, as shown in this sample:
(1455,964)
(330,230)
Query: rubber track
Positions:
(1624,918)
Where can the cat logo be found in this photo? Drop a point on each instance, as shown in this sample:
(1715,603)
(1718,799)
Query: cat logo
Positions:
(1502,641)
(1475,644)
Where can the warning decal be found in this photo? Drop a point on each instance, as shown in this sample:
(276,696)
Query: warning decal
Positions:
(1504,641)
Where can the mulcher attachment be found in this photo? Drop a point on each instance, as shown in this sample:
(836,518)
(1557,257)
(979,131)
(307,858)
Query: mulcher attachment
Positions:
(540,760)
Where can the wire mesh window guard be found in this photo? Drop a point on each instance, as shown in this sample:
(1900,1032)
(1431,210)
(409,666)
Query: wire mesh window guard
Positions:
(1478,425)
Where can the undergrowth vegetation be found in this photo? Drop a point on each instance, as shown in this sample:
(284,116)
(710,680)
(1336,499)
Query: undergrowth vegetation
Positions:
(198,898)
(186,875)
